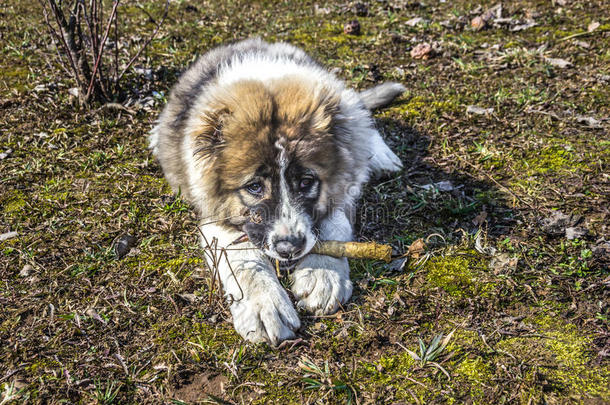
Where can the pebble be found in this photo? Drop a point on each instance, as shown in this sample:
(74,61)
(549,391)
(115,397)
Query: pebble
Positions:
(123,245)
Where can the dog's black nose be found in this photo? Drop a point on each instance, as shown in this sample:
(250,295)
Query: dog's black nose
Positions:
(289,247)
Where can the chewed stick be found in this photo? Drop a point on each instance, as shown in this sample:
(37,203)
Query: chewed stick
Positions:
(351,250)
(354,250)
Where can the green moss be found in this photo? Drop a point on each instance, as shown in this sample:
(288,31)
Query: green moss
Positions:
(13,202)
(399,364)
(459,276)
(276,391)
(565,356)
(389,372)
(476,373)
(554,159)
(200,342)
(419,106)
(411,109)
(176,269)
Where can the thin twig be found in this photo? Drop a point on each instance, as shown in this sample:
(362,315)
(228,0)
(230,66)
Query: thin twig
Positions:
(61,23)
(101,49)
(137,55)
(580,34)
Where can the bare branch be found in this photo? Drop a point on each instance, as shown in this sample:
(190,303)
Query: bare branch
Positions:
(102,44)
(148,41)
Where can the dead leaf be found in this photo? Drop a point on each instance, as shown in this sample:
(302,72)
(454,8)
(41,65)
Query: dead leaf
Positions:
(589,121)
(593,26)
(417,248)
(557,62)
(8,235)
(503,263)
(444,185)
(556,223)
(92,313)
(5,154)
(415,21)
(26,270)
(575,232)
(480,219)
(521,27)
(473,109)
(421,51)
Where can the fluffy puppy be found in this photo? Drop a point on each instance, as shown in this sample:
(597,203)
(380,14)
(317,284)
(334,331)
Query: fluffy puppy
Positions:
(263,141)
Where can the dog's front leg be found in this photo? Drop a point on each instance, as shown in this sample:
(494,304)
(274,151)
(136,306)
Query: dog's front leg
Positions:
(321,283)
(261,308)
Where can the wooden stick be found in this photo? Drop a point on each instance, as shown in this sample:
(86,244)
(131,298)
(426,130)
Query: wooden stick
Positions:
(351,250)
(354,250)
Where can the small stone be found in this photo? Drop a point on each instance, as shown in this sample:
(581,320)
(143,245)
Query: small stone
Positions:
(352,28)
(26,270)
(123,245)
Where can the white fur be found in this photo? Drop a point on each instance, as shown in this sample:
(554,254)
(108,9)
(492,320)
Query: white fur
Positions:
(260,306)
(291,221)
(321,283)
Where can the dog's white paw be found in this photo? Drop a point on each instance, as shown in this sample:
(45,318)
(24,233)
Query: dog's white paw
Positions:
(321,284)
(266,315)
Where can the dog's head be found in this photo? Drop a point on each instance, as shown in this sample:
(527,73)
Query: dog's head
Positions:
(271,156)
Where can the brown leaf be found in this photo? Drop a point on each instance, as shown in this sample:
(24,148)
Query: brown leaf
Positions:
(416,249)
(421,51)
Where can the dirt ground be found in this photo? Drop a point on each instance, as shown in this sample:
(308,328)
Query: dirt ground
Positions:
(504,133)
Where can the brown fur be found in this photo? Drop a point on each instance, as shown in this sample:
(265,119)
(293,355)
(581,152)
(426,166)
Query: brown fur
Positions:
(238,136)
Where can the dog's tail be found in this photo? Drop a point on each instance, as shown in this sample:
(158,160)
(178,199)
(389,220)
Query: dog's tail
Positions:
(382,95)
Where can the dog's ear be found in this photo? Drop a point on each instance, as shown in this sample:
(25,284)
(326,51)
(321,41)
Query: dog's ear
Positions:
(325,113)
(207,132)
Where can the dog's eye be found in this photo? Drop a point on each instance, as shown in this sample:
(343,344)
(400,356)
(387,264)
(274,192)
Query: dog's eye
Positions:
(306,182)
(255,188)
